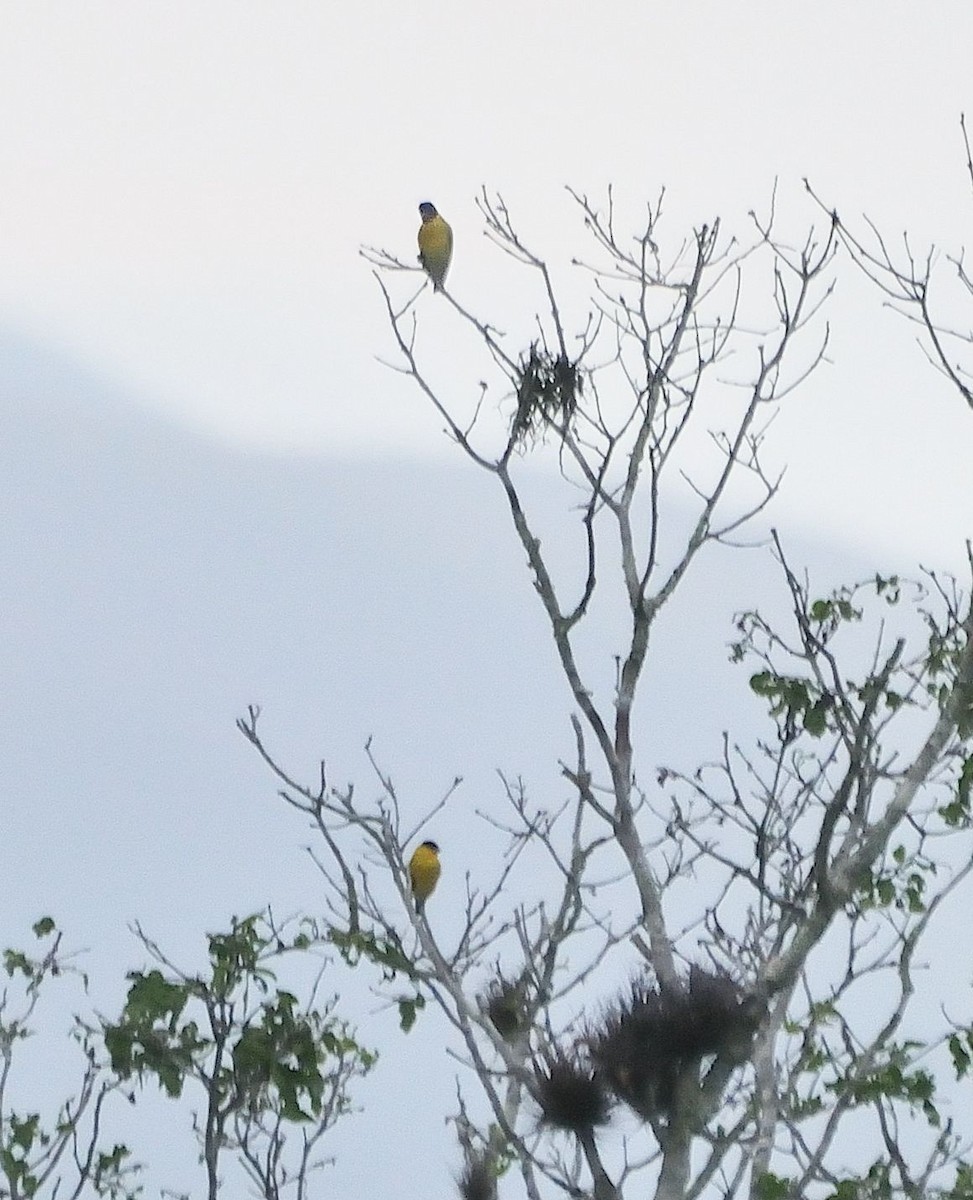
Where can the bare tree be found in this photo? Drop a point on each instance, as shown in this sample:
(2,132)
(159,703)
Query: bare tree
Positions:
(757,1030)
(919,286)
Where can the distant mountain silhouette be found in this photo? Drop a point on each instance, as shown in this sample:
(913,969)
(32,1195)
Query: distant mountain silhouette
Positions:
(156,581)
(153,582)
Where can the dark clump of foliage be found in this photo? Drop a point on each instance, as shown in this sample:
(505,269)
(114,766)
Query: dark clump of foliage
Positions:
(548,388)
(655,1036)
(721,1019)
(571,1094)
(505,1005)
(478,1181)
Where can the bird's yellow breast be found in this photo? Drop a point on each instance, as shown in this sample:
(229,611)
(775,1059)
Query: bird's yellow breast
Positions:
(435,238)
(424,871)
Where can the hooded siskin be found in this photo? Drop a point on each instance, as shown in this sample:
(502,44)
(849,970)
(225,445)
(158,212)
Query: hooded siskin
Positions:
(435,244)
(424,868)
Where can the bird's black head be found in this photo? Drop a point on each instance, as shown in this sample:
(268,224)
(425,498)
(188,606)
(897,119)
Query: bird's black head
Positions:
(427,211)
(431,846)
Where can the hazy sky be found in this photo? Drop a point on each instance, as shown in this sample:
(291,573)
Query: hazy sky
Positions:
(218,490)
(185,189)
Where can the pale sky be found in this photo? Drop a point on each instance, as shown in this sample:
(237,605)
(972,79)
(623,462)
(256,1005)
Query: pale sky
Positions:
(184,189)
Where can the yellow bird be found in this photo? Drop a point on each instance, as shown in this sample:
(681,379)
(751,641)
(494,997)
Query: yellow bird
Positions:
(424,868)
(435,244)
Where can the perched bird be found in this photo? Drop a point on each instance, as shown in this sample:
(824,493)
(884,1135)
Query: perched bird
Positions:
(435,244)
(424,868)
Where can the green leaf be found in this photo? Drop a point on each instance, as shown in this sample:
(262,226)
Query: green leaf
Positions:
(796,695)
(23,1131)
(409,1008)
(963,701)
(962,1055)
(847,611)
(152,997)
(957,812)
(386,952)
(763,683)
(14,961)
(816,718)
(772,1187)
(890,588)
(962,1188)
(915,888)
(43,927)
